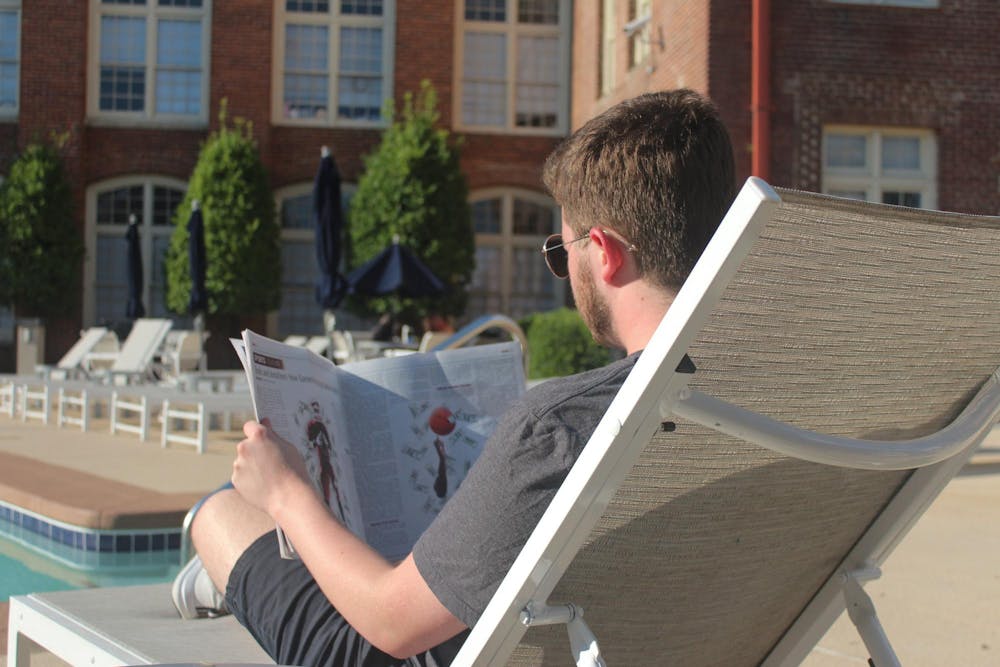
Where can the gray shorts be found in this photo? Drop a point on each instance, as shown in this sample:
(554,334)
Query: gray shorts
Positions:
(282,606)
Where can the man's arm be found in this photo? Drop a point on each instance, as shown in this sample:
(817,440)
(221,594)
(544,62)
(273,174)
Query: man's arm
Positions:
(389,604)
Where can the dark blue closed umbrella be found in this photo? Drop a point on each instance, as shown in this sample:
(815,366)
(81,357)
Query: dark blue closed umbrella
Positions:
(395,270)
(198,301)
(329,223)
(133,307)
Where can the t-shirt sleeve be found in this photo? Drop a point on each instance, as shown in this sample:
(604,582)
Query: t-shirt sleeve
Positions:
(470,546)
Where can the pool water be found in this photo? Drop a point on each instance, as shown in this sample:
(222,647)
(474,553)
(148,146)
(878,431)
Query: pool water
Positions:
(38,567)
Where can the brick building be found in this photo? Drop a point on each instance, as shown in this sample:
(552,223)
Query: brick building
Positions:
(891,100)
(138,85)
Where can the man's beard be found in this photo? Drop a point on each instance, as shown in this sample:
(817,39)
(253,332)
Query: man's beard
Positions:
(593,308)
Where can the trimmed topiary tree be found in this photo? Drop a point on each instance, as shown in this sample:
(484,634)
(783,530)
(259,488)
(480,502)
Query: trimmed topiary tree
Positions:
(243,255)
(561,344)
(412,188)
(40,245)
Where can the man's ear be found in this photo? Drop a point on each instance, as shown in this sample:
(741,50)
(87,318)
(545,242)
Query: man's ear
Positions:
(612,255)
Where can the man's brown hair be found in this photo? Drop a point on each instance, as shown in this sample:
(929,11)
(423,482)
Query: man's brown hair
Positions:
(658,169)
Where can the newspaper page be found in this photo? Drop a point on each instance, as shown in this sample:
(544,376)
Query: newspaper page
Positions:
(386,441)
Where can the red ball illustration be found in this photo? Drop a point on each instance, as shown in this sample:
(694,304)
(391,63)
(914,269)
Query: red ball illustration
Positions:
(441,421)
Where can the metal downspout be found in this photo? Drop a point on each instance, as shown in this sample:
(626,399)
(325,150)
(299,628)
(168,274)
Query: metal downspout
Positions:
(760,83)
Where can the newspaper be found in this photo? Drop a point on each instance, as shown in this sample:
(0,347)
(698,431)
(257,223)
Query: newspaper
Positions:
(386,441)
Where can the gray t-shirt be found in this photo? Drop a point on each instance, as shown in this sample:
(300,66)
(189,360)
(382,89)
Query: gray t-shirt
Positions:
(470,546)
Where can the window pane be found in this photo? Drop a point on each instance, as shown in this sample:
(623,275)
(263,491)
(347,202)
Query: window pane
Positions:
(532,284)
(110,278)
(306,47)
(180,3)
(306,78)
(178,43)
(8,85)
(846,150)
(361,7)
(537,91)
(359,88)
(115,206)
(486,277)
(485,10)
(322,6)
(901,153)
(165,203)
(544,12)
(123,40)
(484,87)
(486,216)
(178,92)
(9,49)
(859,195)
(533,219)
(896,198)
(296,212)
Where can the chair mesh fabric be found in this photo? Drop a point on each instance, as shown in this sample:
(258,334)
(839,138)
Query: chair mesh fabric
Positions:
(847,318)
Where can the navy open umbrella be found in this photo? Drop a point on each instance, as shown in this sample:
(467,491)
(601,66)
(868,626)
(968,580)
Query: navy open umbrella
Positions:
(198,301)
(395,270)
(133,307)
(329,222)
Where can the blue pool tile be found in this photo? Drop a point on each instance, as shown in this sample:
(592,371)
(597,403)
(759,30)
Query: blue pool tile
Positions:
(140,543)
(173,540)
(107,543)
(123,543)
(158,541)
(90,541)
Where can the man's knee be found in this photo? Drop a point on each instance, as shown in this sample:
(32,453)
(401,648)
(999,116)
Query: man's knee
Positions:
(223,529)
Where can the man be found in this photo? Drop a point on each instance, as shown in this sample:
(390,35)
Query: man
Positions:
(642,187)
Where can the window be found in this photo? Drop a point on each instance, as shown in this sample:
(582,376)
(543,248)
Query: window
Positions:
(109,207)
(514,73)
(510,275)
(333,61)
(299,312)
(10,57)
(891,166)
(150,60)
(640,12)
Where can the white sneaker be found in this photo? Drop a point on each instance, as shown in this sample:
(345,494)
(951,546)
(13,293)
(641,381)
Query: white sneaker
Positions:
(194,593)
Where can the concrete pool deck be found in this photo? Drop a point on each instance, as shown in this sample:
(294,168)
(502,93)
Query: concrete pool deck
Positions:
(939,598)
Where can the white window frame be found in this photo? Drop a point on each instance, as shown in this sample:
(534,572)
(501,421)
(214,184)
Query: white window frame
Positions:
(146,234)
(152,12)
(333,21)
(918,4)
(640,48)
(14,6)
(512,30)
(609,45)
(871,178)
(506,241)
(304,235)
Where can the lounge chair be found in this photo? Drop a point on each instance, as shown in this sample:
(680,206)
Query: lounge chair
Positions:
(135,360)
(696,532)
(94,340)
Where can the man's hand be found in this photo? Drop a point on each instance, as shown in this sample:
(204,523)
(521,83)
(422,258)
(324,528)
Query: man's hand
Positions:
(268,470)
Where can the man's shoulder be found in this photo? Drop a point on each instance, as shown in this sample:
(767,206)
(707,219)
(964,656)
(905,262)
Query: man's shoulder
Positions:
(594,384)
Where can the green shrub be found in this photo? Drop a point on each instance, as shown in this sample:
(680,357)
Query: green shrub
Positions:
(243,255)
(40,245)
(560,344)
(412,188)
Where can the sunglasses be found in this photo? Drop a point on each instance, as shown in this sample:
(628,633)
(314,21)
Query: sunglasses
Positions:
(556,257)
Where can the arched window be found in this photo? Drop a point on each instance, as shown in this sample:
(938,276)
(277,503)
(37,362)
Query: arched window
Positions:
(510,276)
(299,312)
(152,200)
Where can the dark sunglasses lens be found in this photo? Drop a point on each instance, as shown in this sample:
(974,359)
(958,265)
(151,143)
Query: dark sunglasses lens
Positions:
(556,256)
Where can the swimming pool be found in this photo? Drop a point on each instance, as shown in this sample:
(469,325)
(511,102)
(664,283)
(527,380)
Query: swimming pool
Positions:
(38,555)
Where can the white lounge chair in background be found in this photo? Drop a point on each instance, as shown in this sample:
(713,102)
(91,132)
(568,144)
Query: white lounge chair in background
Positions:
(709,520)
(92,341)
(134,360)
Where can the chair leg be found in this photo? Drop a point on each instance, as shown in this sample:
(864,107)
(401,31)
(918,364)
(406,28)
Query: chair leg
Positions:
(861,611)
